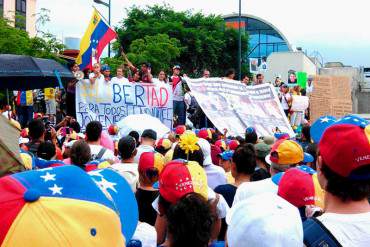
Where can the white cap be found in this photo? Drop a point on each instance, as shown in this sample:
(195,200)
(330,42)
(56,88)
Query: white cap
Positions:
(22,140)
(206,150)
(264,220)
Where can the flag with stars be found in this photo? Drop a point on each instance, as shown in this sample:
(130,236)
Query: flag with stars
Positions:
(96,38)
(60,205)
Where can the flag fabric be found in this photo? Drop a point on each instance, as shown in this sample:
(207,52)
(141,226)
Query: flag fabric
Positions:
(96,38)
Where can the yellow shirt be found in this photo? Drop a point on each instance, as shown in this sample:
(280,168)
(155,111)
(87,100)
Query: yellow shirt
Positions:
(49,93)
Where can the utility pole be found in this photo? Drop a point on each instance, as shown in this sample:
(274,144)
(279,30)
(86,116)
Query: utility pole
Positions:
(108,5)
(240,42)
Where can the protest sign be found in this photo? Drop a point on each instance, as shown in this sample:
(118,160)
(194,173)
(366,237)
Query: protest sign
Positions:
(232,105)
(302,79)
(299,103)
(110,102)
(253,65)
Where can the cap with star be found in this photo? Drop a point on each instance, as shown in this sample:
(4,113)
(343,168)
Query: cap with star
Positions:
(62,206)
(319,126)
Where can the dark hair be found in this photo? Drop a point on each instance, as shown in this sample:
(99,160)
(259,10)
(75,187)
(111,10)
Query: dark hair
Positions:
(303,92)
(215,137)
(258,75)
(36,129)
(190,221)
(306,132)
(229,72)
(244,158)
(93,131)
(75,126)
(71,64)
(240,139)
(126,147)
(136,136)
(149,134)
(260,174)
(251,137)
(345,188)
(311,148)
(161,150)
(46,150)
(197,155)
(80,153)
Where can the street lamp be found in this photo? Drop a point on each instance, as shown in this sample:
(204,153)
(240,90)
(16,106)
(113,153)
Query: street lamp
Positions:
(108,5)
(240,42)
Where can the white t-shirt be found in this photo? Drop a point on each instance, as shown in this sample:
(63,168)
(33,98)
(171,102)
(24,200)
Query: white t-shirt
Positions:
(98,79)
(121,80)
(187,99)
(284,98)
(351,230)
(129,171)
(248,189)
(142,149)
(108,154)
(215,175)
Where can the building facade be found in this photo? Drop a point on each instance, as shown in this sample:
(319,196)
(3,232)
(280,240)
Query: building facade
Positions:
(21,13)
(264,38)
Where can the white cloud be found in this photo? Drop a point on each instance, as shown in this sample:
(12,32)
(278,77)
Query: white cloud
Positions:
(315,23)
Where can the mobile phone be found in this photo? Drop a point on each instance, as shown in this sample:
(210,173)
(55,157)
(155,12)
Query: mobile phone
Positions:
(68,131)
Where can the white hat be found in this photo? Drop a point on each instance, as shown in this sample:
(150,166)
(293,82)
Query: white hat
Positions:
(22,140)
(206,150)
(264,220)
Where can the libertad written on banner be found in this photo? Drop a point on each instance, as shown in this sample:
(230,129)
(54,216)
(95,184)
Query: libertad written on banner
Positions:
(232,105)
(110,102)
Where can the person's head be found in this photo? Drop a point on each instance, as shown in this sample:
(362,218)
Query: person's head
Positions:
(106,71)
(311,148)
(176,70)
(344,160)
(286,154)
(284,88)
(120,71)
(127,147)
(46,151)
(194,229)
(36,130)
(259,78)
(136,76)
(277,80)
(136,136)
(262,150)
(96,68)
(80,153)
(162,76)
(243,160)
(264,220)
(93,131)
(144,67)
(206,73)
(226,160)
(230,74)
(309,80)
(73,66)
(148,137)
(150,167)
(306,136)
(206,150)
(251,135)
(163,145)
(196,155)
(292,78)
(75,126)
(245,80)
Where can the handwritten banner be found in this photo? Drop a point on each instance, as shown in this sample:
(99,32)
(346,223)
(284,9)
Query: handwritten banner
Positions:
(232,105)
(110,102)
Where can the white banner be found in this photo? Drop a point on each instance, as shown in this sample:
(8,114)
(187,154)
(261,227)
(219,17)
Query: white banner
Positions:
(299,103)
(110,102)
(232,105)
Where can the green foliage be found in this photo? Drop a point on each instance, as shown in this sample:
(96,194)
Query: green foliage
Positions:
(202,41)
(113,62)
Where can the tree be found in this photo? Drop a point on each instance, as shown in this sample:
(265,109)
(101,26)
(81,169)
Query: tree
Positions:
(203,41)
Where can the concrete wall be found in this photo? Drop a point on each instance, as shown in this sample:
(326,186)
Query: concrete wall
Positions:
(279,63)
(9,10)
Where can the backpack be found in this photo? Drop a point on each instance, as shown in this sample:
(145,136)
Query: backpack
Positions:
(315,234)
(99,155)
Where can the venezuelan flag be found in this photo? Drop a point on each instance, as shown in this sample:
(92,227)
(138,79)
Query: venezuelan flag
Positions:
(96,38)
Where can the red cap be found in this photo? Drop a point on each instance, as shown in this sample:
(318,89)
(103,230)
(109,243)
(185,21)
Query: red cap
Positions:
(179,179)
(346,147)
(297,187)
(233,144)
(180,129)
(149,160)
(205,134)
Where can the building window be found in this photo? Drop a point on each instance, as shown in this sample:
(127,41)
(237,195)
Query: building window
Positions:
(20,16)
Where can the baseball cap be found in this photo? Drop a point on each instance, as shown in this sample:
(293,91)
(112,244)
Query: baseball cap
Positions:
(301,188)
(105,68)
(281,136)
(24,133)
(233,144)
(258,222)
(180,178)
(287,152)
(205,134)
(165,143)
(345,147)
(149,133)
(262,149)
(176,67)
(62,205)
(227,155)
(151,160)
(269,140)
(179,130)
(319,126)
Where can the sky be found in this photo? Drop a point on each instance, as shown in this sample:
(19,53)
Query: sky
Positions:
(337,29)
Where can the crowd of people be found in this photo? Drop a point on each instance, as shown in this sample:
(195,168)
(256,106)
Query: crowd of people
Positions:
(192,187)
